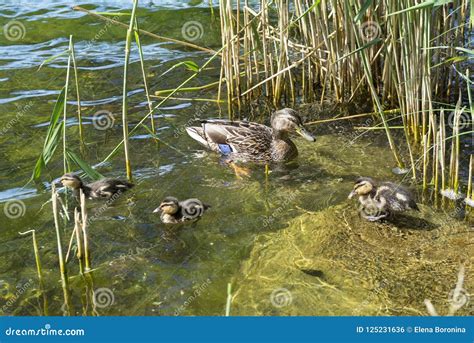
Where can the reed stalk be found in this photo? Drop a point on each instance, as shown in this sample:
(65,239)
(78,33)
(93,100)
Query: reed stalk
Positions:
(74,237)
(66,87)
(78,96)
(327,47)
(85,237)
(36,252)
(229,299)
(144,32)
(128,42)
(470,190)
(39,270)
(62,265)
(117,147)
(142,65)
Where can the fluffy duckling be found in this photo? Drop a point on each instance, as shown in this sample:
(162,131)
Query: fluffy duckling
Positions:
(102,189)
(382,200)
(173,211)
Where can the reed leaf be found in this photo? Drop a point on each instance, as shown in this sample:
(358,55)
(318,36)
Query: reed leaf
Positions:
(52,136)
(426,4)
(363,9)
(90,172)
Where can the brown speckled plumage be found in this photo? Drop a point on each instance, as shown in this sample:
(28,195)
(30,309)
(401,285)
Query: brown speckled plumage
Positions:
(381,200)
(250,141)
(101,189)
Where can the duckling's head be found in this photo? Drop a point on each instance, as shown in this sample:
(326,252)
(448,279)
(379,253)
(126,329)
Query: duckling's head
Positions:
(72,181)
(362,186)
(288,120)
(169,205)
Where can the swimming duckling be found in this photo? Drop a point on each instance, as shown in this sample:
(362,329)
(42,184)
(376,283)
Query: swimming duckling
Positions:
(382,200)
(173,211)
(102,189)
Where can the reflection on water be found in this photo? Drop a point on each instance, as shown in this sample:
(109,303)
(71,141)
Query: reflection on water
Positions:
(149,269)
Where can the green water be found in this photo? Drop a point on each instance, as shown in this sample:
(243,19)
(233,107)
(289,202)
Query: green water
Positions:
(147,268)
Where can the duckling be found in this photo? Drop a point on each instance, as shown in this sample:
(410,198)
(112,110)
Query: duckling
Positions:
(173,211)
(102,189)
(379,201)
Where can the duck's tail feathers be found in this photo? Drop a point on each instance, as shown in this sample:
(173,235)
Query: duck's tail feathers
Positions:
(197,133)
(124,184)
(414,206)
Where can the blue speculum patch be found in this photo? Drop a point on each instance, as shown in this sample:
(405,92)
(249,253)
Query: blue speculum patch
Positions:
(225,149)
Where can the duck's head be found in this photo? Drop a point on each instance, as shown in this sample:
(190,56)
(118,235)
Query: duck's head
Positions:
(169,205)
(362,186)
(72,181)
(288,120)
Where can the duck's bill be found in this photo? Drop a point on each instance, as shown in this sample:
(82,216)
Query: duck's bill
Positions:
(157,210)
(351,194)
(305,134)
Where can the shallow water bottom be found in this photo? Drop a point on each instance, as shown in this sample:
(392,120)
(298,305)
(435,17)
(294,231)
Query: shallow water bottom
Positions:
(332,262)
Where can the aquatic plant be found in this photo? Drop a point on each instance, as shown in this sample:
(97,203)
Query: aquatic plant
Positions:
(407,56)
